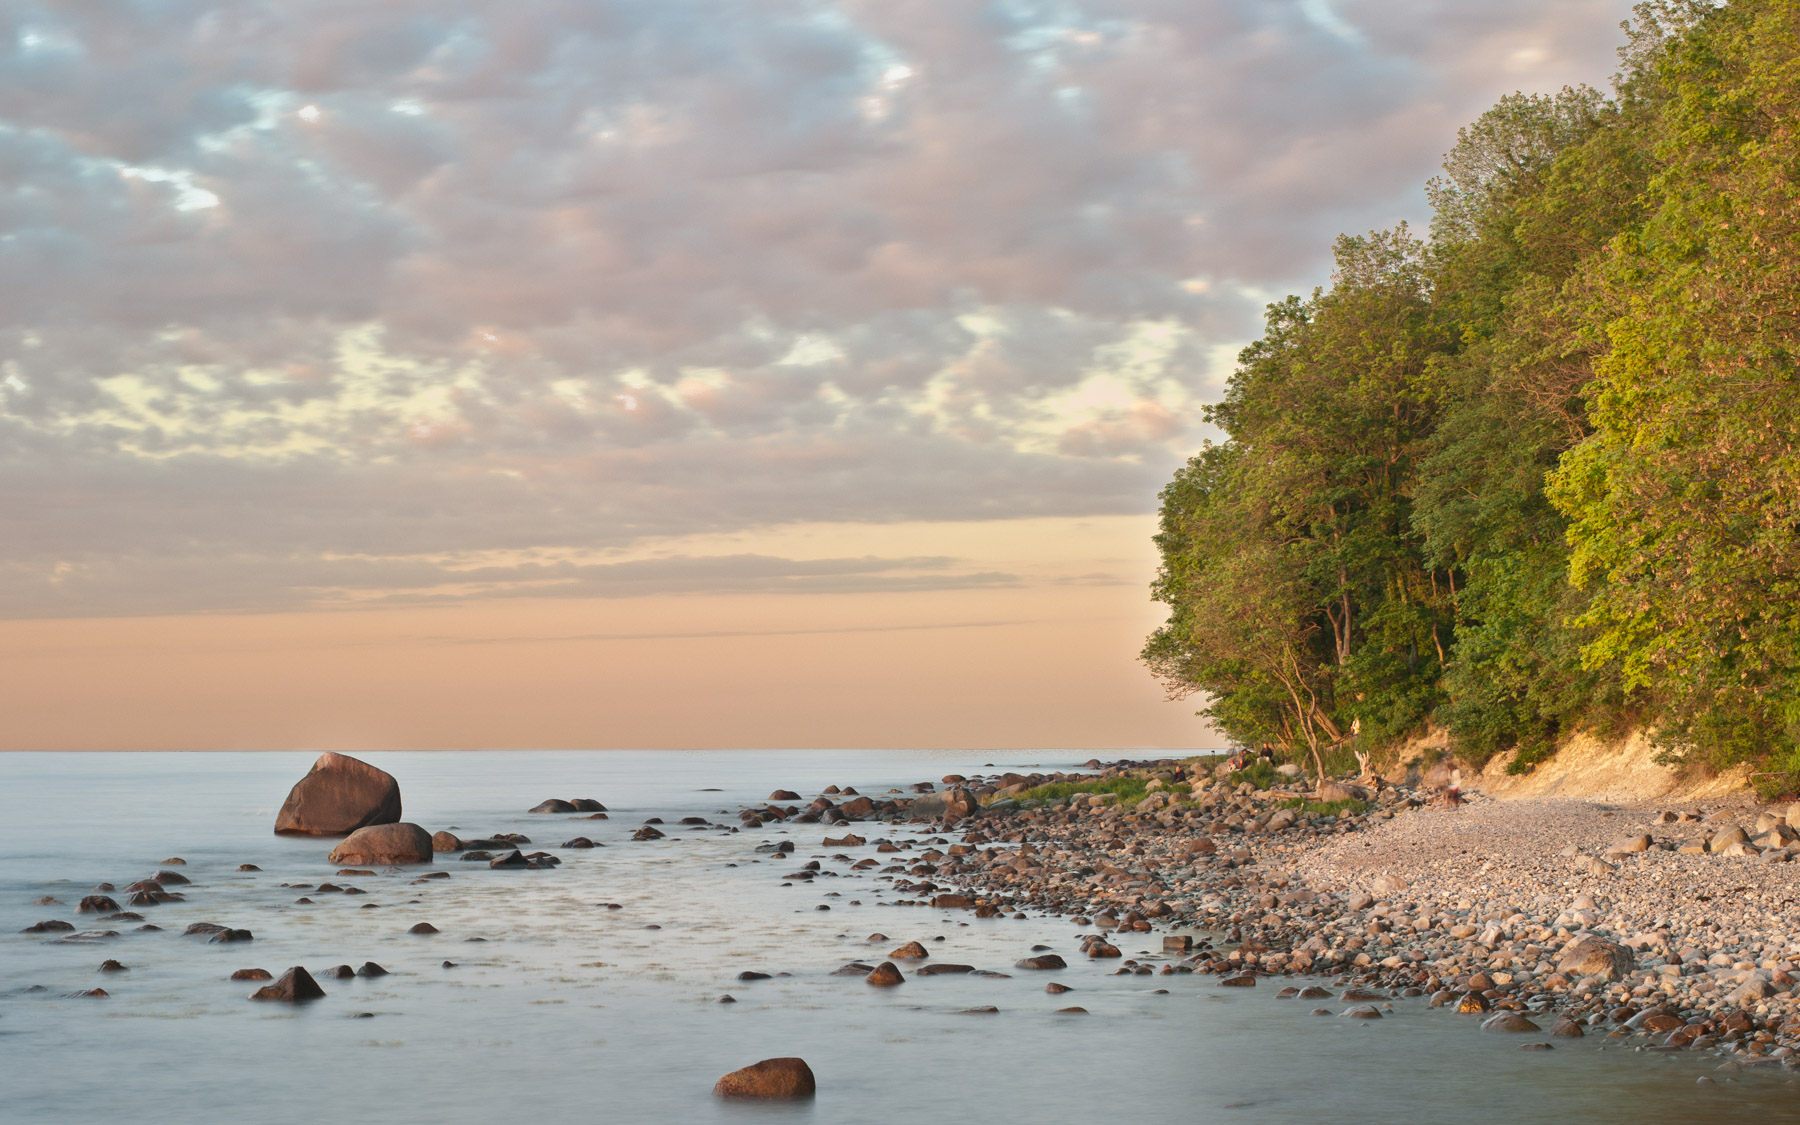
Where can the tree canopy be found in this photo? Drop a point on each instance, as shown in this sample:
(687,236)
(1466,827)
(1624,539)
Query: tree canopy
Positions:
(1537,472)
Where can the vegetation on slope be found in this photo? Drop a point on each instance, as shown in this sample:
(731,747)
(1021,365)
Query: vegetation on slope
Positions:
(1536,472)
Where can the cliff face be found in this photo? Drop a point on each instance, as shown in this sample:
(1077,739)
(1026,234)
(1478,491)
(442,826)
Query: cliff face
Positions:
(1609,769)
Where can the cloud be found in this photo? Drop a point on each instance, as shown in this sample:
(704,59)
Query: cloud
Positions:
(286,283)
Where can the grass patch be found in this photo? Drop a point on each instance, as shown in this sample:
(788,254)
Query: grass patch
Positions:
(1259,773)
(1327,808)
(1127,788)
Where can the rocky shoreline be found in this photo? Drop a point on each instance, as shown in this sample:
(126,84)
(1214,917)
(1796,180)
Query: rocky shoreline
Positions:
(1665,928)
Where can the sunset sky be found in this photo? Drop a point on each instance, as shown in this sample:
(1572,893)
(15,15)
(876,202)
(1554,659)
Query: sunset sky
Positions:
(658,373)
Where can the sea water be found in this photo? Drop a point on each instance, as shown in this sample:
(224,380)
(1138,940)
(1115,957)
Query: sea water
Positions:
(571,1011)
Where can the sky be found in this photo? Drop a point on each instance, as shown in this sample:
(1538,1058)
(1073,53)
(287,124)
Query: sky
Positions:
(606,373)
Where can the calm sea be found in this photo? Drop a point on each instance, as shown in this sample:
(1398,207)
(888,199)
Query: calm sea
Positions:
(572,1012)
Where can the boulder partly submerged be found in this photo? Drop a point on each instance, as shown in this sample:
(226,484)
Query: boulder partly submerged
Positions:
(339,795)
(769,1079)
(384,844)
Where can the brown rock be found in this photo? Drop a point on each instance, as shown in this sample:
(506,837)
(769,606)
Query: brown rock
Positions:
(423,928)
(1042,961)
(1508,1021)
(554,805)
(911,951)
(295,984)
(1592,956)
(885,976)
(1242,980)
(97,904)
(252,974)
(445,842)
(769,1079)
(338,796)
(1566,1028)
(384,844)
(783,795)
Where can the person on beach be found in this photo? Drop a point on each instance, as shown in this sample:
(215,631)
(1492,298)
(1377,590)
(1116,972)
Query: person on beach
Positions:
(1267,753)
(1453,792)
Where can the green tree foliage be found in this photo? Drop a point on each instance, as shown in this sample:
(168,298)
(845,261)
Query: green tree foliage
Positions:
(1539,473)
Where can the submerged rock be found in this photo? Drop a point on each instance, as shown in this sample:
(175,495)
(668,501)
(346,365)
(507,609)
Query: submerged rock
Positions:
(768,1080)
(295,984)
(384,844)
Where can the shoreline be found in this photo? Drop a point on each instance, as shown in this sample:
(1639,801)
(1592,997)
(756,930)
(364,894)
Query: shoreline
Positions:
(1564,916)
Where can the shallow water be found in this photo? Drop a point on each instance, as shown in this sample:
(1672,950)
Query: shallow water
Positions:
(570,1011)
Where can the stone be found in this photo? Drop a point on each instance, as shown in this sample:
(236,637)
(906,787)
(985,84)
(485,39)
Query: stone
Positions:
(371,969)
(1725,837)
(554,805)
(1338,791)
(769,1080)
(1042,961)
(339,795)
(1638,843)
(1361,1012)
(1566,1028)
(338,972)
(587,805)
(252,974)
(942,968)
(423,928)
(171,878)
(1242,980)
(953,902)
(1593,956)
(885,976)
(849,841)
(647,832)
(1056,989)
(1201,845)
(911,951)
(445,842)
(97,904)
(578,842)
(228,935)
(1509,1021)
(784,795)
(385,844)
(296,984)
(514,858)
(111,966)
(1385,885)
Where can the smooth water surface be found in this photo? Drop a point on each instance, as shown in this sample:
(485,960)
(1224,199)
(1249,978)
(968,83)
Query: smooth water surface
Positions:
(570,1011)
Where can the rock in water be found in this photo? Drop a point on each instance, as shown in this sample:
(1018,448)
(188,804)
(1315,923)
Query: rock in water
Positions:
(769,1079)
(445,842)
(1592,956)
(885,976)
(1508,1021)
(295,984)
(339,795)
(385,844)
(912,951)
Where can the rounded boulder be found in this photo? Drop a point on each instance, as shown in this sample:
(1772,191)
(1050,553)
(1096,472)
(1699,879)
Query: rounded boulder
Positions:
(770,1079)
(384,844)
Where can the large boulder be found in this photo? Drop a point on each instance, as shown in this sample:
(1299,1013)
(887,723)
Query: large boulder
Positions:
(770,1078)
(338,796)
(1597,957)
(384,844)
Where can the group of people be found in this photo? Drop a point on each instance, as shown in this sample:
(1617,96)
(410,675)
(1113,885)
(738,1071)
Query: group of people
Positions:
(1240,758)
